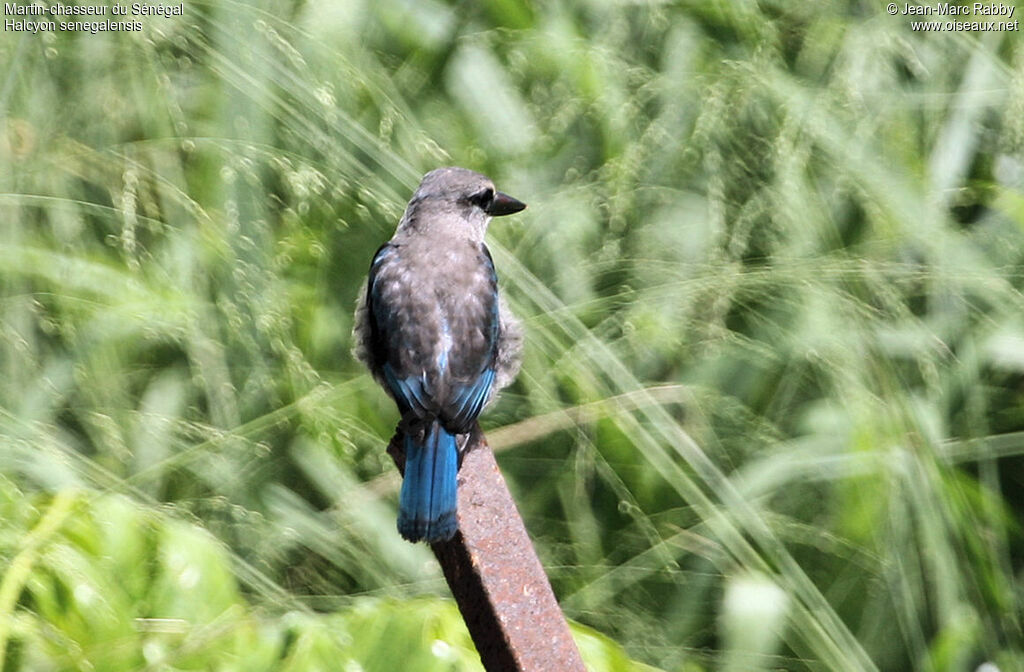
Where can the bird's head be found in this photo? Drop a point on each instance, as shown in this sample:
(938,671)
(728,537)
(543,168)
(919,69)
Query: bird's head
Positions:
(468,195)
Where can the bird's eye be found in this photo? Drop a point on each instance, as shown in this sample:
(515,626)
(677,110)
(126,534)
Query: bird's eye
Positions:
(483,199)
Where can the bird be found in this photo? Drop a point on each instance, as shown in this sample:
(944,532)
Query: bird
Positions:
(436,335)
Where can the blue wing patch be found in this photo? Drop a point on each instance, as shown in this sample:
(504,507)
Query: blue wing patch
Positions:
(468,400)
(412,393)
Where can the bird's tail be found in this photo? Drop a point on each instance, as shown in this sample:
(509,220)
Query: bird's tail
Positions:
(426,507)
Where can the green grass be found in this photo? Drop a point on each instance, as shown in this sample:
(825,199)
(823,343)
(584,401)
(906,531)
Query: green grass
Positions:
(771,414)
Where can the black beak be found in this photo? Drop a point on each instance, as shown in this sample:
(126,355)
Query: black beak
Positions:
(503,204)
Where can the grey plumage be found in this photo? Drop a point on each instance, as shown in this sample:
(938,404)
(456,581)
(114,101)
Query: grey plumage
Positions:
(510,348)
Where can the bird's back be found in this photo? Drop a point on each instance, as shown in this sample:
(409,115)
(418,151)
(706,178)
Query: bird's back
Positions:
(434,316)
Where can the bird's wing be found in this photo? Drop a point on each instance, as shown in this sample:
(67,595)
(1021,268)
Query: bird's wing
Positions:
(472,367)
(392,337)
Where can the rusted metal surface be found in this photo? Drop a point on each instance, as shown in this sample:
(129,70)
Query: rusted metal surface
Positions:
(493,572)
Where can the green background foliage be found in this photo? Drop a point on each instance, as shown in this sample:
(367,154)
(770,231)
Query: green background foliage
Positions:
(771,414)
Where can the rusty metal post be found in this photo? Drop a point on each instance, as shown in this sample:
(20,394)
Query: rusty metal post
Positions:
(497,580)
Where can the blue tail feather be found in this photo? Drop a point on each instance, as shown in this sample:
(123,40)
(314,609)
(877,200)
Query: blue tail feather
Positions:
(426,508)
